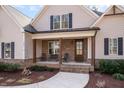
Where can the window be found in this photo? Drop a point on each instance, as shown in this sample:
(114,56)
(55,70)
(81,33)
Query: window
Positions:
(7,50)
(53,47)
(79,48)
(113,49)
(56,22)
(60,22)
(65,21)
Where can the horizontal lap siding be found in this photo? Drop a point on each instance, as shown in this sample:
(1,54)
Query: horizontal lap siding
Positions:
(111,27)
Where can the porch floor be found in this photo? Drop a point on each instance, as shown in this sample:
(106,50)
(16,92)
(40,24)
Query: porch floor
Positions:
(64,63)
(69,66)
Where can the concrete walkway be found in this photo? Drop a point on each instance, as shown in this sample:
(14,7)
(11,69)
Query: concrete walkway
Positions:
(61,80)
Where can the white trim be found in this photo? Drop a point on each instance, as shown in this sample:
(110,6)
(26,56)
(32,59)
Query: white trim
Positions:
(89,11)
(120,7)
(12,17)
(61,22)
(39,14)
(5,51)
(99,19)
(42,11)
(54,44)
(112,42)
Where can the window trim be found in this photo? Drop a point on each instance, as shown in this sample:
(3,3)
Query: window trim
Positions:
(54,47)
(112,46)
(5,51)
(60,22)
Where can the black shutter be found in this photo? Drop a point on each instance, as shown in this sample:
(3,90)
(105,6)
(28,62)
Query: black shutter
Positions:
(106,46)
(120,46)
(2,50)
(51,22)
(12,49)
(70,20)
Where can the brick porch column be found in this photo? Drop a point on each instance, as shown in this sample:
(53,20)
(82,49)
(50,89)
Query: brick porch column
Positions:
(34,50)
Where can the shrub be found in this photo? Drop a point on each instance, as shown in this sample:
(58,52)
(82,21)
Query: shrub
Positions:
(2,66)
(38,68)
(118,76)
(41,68)
(9,67)
(109,66)
(12,67)
(121,66)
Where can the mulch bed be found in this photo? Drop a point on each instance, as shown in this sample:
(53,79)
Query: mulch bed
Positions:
(110,82)
(17,76)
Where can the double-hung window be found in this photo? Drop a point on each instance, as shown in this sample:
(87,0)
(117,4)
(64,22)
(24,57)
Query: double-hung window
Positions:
(61,21)
(65,21)
(53,47)
(113,43)
(56,22)
(7,50)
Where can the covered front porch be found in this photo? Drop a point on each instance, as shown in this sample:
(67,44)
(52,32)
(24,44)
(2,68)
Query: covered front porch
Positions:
(64,47)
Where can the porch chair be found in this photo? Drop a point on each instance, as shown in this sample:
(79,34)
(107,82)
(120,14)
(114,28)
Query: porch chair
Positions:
(66,57)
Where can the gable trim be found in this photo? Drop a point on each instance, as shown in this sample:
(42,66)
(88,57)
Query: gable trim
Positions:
(90,12)
(100,19)
(11,16)
(39,14)
(42,11)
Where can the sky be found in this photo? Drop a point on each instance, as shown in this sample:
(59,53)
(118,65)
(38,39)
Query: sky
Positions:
(32,10)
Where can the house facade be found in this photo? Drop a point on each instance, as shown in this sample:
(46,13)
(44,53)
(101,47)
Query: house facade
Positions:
(62,36)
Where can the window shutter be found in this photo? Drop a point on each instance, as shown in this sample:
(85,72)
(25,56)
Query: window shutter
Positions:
(70,20)
(51,22)
(2,50)
(106,46)
(12,49)
(120,46)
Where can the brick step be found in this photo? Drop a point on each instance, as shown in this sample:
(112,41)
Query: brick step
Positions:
(76,68)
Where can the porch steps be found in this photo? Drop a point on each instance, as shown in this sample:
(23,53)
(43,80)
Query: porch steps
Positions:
(76,68)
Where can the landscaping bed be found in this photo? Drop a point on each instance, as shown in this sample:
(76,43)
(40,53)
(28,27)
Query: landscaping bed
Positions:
(11,74)
(110,82)
(13,79)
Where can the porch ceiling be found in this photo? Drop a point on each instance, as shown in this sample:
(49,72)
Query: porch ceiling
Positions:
(70,34)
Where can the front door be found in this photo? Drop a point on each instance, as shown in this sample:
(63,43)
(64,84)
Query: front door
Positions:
(79,50)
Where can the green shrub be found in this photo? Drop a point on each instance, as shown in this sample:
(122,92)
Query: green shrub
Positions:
(109,66)
(121,66)
(9,67)
(41,68)
(12,67)
(2,66)
(118,76)
(38,68)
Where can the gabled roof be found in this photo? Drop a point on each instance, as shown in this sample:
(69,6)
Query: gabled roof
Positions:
(118,6)
(97,12)
(89,11)
(30,28)
(19,18)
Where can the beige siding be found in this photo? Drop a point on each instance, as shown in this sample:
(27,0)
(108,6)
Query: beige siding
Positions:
(10,32)
(80,17)
(111,27)
(29,47)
